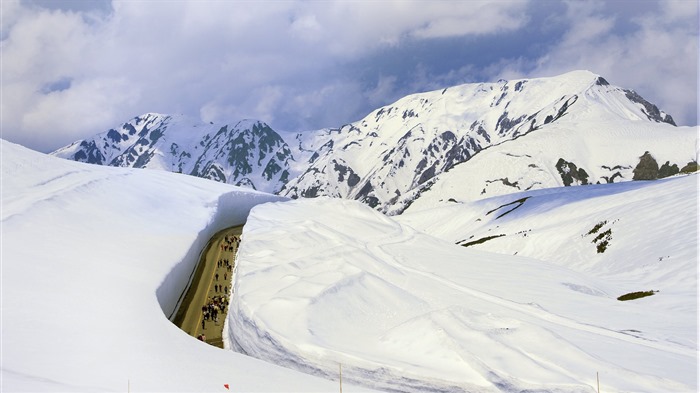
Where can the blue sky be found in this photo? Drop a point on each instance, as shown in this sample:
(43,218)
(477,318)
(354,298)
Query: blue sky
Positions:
(71,69)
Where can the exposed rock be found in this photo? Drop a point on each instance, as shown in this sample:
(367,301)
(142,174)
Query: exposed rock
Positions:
(570,174)
(650,110)
(667,170)
(690,167)
(647,169)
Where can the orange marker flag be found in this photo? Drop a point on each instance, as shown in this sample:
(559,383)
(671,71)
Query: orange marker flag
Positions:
(226,386)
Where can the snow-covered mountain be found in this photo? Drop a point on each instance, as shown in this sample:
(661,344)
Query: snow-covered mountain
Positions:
(395,153)
(248,153)
(500,137)
(573,153)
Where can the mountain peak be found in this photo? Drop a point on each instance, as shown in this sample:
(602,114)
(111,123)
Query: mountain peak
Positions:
(398,151)
(247,153)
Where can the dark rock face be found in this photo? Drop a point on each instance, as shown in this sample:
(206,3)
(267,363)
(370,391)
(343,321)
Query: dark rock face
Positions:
(570,174)
(601,81)
(650,110)
(505,124)
(115,136)
(243,154)
(241,151)
(505,182)
(89,153)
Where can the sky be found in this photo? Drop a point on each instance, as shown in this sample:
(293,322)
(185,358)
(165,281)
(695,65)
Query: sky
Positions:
(72,69)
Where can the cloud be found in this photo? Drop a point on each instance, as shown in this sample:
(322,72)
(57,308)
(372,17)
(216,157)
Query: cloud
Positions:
(70,71)
(74,70)
(479,17)
(654,51)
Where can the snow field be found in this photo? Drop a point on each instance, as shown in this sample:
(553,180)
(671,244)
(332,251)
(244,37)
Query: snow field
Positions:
(325,281)
(93,258)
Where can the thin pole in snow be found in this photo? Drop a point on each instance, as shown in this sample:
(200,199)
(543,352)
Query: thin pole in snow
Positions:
(340,368)
(597,378)
(128,386)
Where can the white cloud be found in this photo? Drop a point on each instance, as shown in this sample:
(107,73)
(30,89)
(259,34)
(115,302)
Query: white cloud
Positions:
(657,56)
(386,86)
(10,11)
(290,63)
(212,59)
(476,17)
(307,28)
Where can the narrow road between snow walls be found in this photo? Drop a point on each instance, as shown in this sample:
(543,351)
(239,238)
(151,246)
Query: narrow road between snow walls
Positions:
(202,310)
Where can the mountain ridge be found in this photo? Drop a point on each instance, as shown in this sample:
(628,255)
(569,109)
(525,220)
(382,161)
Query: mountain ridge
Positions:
(392,155)
(246,153)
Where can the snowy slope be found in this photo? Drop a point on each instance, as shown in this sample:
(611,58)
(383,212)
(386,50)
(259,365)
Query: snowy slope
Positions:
(248,153)
(330,281)
(568,153)
(93,259)
(395,152)
(93,262)
(646,231)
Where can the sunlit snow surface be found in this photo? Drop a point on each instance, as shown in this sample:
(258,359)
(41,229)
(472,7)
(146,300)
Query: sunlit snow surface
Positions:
(92,260)
(322,282)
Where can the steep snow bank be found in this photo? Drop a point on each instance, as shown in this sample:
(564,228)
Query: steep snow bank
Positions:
(231,209)
(323,282)
(85,249)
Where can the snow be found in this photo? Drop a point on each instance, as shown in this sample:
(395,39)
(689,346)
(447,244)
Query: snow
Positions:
(181,144)
(94,259)
(601,148)
(326,281)
(93,262)
(396,150)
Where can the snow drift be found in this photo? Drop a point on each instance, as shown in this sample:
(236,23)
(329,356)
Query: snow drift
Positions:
(93,260)
(327,282)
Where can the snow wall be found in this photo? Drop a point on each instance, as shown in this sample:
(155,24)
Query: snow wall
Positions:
(231,210)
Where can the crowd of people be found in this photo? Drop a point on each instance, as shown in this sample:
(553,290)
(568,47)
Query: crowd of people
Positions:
(211,310)
(229,241)
(217,304)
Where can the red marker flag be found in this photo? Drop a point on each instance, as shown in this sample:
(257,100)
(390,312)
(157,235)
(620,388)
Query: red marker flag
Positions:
(226,386)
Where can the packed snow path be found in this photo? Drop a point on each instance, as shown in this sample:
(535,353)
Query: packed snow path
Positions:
(211,279)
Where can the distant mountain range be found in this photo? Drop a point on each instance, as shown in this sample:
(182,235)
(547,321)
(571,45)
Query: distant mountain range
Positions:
(248,153)
(459,143)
